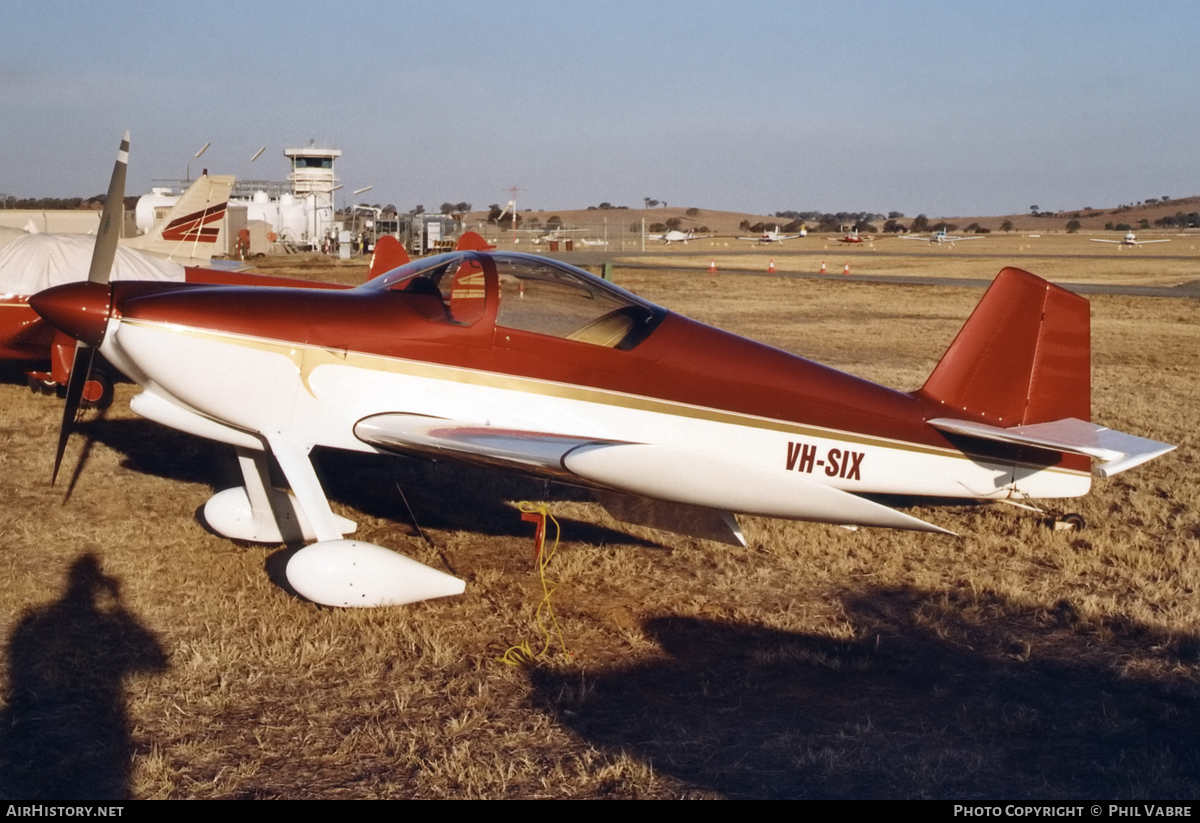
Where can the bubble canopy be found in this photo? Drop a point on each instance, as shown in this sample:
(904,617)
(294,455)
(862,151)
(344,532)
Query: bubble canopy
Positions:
(533,294)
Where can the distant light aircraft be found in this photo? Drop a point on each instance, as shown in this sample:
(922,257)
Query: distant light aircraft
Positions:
(521,362)
(541,236)
(774,236)
(940,237)
(853,237)
(1130,239)
(676,236)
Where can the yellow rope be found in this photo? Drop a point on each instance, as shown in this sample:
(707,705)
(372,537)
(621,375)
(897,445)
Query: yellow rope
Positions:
(522,654)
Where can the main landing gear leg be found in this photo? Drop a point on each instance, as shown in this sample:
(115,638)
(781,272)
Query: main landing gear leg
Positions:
(1057,521)
(349,573)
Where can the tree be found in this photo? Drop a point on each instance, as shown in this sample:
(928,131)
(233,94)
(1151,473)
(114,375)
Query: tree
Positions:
(1073,226)
(446,208)
(554,222)
(646,200)
(462,208)
(494,212)
(1006,226)
(692,212)
(893,215)
(1033,209)
(921,223)
(674,222)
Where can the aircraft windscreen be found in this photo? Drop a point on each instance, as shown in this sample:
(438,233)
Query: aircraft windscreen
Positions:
(456,279)
(541,296)
(400,279)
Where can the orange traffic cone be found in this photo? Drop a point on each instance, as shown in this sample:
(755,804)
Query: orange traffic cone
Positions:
(712,266)
(846,270)
(771,266)
(822,267)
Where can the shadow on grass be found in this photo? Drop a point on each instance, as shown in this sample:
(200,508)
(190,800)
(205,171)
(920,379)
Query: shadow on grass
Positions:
(444,495)
(939,695)
(64,732)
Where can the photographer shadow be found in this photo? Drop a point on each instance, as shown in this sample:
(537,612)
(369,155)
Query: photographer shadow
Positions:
(64,731)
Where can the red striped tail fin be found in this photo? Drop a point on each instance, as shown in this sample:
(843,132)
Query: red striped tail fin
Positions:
(1023,357)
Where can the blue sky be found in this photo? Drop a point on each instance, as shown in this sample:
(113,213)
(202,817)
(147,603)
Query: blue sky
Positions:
(942,108)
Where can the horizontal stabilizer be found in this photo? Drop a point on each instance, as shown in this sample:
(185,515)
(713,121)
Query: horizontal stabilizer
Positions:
(1118,450)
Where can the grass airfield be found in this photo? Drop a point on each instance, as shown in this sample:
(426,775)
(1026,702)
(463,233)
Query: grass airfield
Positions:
(149,658)
(1061,258)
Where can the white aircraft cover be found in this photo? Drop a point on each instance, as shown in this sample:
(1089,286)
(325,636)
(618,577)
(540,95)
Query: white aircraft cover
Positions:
(36,262)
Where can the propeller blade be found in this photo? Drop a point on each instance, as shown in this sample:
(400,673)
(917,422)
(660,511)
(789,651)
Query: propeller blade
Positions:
(111,219)
(81,369)
(103,255)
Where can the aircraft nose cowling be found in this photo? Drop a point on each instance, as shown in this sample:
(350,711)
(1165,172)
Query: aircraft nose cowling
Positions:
(77,309)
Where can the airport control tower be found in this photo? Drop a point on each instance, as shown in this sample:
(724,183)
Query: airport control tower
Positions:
(312,176)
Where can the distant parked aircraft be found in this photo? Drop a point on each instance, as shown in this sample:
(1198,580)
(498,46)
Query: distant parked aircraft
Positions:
(1129,239)
(676,236)
(940,236)
(773,236)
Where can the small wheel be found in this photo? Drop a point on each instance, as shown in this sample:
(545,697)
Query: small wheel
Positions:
(1073,521)
(98,391)
(37,385)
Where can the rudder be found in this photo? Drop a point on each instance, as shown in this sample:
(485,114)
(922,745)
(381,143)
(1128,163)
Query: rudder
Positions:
(1023,356)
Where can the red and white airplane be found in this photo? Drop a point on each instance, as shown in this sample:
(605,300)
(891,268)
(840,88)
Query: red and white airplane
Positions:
(1130,239)
(774,236)
(521,362)
(853,237)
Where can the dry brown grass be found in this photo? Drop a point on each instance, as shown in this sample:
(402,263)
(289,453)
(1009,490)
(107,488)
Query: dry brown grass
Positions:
(817,662)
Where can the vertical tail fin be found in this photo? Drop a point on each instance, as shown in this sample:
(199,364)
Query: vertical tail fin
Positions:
(192,231)
(1023,357)
(388,254)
